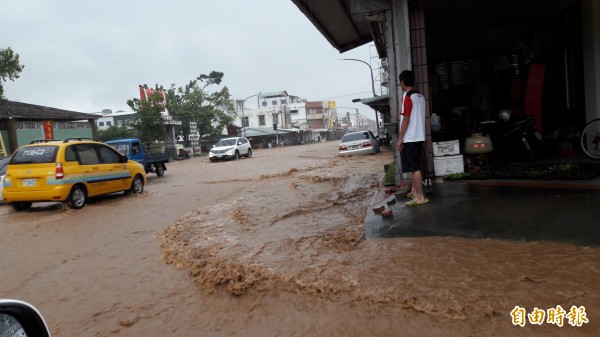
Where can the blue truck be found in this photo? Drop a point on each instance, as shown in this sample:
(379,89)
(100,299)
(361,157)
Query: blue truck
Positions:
(153,156)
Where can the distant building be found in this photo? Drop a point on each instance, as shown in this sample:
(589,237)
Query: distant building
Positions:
(315,115)
(119,118)
(272,108)
(298,115)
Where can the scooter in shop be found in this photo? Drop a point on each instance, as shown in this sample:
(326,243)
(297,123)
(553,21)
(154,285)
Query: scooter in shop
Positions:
(514,140)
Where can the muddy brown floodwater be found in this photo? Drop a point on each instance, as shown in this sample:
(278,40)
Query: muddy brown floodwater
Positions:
(274,246)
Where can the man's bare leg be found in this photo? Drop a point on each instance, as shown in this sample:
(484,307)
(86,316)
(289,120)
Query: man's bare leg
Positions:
(417,186)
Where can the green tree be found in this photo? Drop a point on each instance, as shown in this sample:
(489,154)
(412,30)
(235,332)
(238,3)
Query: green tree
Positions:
(195,103)
(10,68)
(115,132)
(148,121)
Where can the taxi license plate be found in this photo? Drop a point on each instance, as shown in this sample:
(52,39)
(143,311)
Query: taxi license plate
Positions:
(29,182)
(354,147)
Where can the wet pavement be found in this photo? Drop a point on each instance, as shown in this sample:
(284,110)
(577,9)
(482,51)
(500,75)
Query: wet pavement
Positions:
(512,211)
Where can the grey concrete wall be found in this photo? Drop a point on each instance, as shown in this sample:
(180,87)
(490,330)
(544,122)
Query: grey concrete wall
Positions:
(590,13)
(399,59)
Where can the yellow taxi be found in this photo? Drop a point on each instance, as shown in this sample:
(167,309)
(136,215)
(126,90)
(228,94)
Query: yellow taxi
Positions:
(71,171)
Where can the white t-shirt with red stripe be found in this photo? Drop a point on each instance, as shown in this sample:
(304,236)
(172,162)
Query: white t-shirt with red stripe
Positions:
(413,106)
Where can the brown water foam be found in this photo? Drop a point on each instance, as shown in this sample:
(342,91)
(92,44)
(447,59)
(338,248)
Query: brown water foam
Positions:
(301,232)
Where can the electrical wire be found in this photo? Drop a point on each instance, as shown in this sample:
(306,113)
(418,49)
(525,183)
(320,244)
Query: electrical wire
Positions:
(358,93)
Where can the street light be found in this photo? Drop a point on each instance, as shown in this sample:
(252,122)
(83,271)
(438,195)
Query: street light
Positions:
(372,87)
(243,111)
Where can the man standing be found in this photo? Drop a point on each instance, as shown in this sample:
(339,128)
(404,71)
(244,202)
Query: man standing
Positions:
(412,136)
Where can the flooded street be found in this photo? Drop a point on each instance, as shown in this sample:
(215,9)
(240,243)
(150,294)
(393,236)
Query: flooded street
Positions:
(274,246)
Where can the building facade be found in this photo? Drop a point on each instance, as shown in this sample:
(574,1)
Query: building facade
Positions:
(315,115)
(270,109)
(298,115)
(290,112)
(119,118)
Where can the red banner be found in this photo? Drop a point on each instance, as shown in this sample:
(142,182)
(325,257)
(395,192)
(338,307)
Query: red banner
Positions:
(48,129)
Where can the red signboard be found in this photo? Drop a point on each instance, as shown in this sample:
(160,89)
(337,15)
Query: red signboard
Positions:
(145,94)
(48,130)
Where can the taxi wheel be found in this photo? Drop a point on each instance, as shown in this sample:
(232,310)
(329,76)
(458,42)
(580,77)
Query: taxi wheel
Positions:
(137,186)
(160,170)
(21,206)
(78,197)
(249,153)
(237,154)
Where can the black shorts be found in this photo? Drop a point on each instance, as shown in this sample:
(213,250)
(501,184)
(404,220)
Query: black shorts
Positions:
(410,157)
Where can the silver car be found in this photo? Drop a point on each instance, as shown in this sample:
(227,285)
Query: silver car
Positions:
(362,142)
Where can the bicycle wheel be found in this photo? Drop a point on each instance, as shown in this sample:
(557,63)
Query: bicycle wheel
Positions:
(590,139)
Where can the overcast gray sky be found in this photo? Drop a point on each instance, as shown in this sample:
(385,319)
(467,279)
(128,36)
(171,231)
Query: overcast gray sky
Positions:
(91,55)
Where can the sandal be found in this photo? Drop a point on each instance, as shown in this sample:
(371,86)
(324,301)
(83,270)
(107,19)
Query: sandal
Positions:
(410,195)
(378,210)
(387,213)
(415,202)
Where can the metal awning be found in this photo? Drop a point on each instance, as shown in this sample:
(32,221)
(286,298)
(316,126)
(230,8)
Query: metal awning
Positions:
(344,23)
(18,110)
(258,132)
(378,103)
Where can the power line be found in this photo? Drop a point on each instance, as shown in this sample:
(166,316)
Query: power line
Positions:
(358,93)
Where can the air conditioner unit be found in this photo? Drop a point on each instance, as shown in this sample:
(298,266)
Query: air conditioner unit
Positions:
(385,78)
(385,74)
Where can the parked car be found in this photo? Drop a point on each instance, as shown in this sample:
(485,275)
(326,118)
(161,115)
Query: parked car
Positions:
(152,156)
(69,171)
(3,166)
(18,319)
(363,142)
(230,148)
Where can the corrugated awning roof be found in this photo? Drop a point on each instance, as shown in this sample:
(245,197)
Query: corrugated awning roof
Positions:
(378,103)
(257,132)
(271,94)
(12,109)
(344,23)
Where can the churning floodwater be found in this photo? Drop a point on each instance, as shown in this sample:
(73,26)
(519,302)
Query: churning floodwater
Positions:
(295,240)
(274,246)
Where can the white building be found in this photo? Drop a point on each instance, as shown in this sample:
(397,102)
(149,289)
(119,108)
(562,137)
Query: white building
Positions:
(298,115)
(270,108)
(110,118)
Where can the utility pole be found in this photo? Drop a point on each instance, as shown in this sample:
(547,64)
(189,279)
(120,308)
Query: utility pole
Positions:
(276,122)
(243,112)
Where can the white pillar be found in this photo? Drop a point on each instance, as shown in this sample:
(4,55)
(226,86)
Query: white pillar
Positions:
(590,13)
